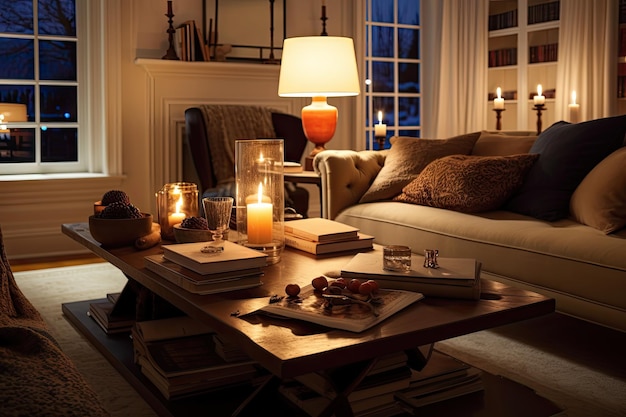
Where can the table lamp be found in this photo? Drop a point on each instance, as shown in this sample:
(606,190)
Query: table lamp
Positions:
(318,67)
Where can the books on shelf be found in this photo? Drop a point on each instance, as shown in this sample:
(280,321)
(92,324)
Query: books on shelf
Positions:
(102,313)
(189,42)
(317,229)
(234,257)
(203,283)
(178,356)
(455,277)
(292,167)
(362,242)
(354,316)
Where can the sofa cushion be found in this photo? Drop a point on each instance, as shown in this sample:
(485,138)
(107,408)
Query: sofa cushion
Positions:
(468,183)
(407,157)
(567,153)
(600,199)
(498,143)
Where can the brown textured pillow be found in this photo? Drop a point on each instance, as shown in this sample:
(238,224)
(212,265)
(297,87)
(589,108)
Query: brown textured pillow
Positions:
(468,183)
(600,199)
(491,144)
(408,157)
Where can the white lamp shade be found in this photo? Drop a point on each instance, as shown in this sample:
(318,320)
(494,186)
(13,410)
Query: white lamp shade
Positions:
(13,112)
(314,66)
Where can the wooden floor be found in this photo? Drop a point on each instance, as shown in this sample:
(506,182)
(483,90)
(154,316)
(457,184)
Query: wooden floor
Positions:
(53,262)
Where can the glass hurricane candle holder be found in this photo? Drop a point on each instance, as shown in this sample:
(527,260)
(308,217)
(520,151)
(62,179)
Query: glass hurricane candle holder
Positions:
(260,202)
(175,201)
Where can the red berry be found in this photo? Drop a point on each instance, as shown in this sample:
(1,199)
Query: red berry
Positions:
(339,282)
(375,286)
(292,290)
(366,288)
(319,283)
(354,285)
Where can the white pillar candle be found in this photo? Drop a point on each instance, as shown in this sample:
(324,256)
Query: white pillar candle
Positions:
(498,102)
(260,220)
(380,130)
(574,109)
(539,98)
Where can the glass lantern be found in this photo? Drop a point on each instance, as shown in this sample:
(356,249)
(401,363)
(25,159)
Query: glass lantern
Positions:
(260,202)
(175,201)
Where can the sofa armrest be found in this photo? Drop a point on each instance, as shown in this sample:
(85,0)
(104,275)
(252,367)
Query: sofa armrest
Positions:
(345,176)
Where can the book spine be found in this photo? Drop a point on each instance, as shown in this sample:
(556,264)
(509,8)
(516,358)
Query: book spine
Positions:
(430,290)
(301,244)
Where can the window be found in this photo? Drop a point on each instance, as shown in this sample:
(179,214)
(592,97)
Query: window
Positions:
(39,88)
(392,68)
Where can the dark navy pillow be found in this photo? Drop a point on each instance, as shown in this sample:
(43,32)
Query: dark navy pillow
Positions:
(567,153)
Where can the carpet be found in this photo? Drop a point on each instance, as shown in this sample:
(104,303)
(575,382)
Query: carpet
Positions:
(579,366)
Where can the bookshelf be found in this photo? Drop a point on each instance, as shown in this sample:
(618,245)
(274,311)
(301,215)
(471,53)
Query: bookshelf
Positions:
(523,52)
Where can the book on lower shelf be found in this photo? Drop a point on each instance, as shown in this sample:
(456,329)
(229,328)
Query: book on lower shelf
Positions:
(102,313)
(362,242)
(356,312)
(317,229)
(180,359)
(203,283)
(455,277)
(234,257)
(292,167)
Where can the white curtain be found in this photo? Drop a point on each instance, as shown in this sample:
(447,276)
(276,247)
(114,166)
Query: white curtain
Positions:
(587,58)
(454,79)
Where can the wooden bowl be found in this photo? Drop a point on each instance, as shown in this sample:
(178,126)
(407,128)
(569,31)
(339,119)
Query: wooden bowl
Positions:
(119,232)
(185,235)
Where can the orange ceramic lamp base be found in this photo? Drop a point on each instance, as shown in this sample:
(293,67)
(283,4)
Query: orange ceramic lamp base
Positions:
(319,120)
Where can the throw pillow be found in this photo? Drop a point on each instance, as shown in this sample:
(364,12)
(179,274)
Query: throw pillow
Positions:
(407,157)
(468,183)
(600,199)
(568,152)
(490,144)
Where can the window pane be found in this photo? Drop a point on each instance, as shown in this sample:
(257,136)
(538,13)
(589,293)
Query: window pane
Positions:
(409,12)
(17,145)
(408,43)
(17,17)
(58,104)
(408,78)
(382,11)
(57,17)
(384,104)
(21,53)
(23,94)
(409,112)
(382,41)
(57,60)
(383,79)
(59,145)
(411,133)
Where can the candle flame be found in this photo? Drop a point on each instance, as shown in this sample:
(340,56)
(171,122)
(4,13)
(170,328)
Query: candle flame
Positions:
(260,193)
(573,96)
(261,159)
(539,90)
(499,92)
(380,116)
(179,204)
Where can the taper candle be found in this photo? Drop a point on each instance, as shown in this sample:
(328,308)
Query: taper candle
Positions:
(498,102)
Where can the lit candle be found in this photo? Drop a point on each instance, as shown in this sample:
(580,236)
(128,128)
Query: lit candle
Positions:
(574,109)
(380,130)
(498,103)
(178,216)
(259,220)
(539,98)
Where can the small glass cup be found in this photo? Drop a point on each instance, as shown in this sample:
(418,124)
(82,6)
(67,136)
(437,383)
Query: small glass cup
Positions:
(217,211)
(397,258)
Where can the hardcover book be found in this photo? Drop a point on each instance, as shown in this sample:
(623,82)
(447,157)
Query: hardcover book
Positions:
(234,257)
(362,241)
(203,283)
(318,229)
(355,316)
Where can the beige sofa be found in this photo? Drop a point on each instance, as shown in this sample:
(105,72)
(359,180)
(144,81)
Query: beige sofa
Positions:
(582,267)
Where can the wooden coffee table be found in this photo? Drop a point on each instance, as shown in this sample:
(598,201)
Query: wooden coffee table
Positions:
(287,348)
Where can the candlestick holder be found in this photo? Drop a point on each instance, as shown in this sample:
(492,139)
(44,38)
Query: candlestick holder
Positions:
(539,108)
(323,19)
(499,118)
(175,202)
(380,140)
(171,51)
(260,202)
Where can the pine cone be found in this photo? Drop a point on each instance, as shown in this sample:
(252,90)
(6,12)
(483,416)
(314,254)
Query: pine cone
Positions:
(120,210)
(194,223)
(115,196)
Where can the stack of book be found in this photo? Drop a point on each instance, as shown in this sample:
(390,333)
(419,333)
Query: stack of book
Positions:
(237,267)
(112,320)
(178,356)
(321,236)
(313,392)
(455,277)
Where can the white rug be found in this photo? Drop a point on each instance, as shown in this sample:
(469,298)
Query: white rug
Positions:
(565,368)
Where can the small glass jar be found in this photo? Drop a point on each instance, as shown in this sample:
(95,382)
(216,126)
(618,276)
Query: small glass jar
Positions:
(175,201)
(397,258)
